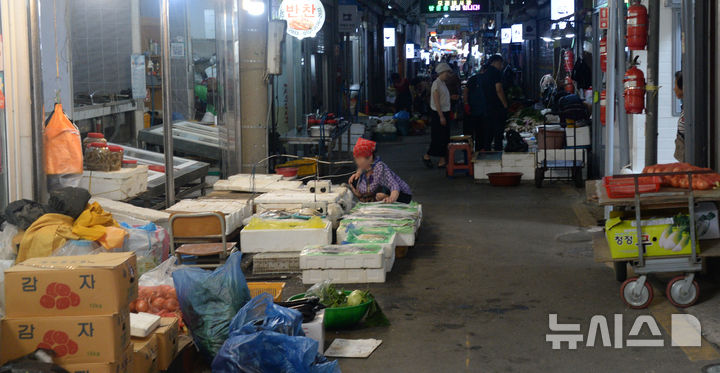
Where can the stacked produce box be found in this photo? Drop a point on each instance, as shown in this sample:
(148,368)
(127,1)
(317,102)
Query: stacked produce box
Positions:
(74,306)
(368,238)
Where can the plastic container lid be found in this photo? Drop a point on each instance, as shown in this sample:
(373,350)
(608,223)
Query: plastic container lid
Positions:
(98,145)
(95,135)
(115,148)
(129,161)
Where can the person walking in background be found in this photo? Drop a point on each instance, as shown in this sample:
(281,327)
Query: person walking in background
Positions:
(403,98)
(440,111)
(496,106)
(680,138)
(475,106)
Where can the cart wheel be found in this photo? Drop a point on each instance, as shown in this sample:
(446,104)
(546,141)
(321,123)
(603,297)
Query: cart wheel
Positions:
(578,177)
(679,298)
(642,300)
(539,176)
(620,271)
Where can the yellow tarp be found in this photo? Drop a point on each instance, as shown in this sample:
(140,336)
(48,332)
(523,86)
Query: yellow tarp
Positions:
(96,224)
(46,234)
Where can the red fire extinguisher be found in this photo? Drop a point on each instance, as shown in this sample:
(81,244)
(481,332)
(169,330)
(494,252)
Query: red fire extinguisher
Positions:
(603,104)
(634,83)
(603,53)
(569,85)
(637,23)
(569,60)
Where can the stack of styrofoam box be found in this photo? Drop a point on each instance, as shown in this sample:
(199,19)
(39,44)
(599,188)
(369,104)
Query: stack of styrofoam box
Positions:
(235,211)
(508,162)
(577,136)
(118,185)
(335,203)
(256,183)
(344,264)
(284,240)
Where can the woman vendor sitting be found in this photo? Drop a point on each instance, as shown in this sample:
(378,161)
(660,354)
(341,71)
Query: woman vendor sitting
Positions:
(375,180)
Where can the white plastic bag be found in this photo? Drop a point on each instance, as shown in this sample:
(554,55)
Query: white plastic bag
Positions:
(160,275)
(4,264)
(8,251)
(149,242)
(78,247)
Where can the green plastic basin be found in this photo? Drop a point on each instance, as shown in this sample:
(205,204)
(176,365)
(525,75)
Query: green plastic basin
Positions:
(342,317)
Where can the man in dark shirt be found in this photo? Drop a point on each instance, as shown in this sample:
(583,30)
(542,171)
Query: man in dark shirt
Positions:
(496,105)
(475,107)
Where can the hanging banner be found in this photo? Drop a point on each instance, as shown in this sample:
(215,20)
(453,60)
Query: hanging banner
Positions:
(348,18)
(304,17)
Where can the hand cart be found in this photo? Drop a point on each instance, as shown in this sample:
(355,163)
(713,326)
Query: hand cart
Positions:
(557,161)
(636,292)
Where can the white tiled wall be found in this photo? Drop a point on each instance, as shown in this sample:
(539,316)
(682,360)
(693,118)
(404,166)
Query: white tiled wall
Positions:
(667,123)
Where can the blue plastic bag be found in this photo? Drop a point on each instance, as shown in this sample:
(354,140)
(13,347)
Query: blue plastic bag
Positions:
(265,337)
(402,114)
(210,300)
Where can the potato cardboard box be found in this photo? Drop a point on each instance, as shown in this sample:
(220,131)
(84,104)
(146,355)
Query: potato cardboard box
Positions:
(100,284)
(74,339)
(145,356)
(167,340)
(123,366)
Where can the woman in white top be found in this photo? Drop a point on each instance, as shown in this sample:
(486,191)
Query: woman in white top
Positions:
(440,105)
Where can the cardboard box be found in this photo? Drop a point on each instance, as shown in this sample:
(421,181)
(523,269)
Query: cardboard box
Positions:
(145,355)
(100,284)
(315,330)
(123,366)
(75,339)
(166,337)
(661,236)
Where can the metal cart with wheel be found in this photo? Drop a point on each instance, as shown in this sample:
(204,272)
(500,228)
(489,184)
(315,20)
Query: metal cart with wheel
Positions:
(559,164)
(636,292)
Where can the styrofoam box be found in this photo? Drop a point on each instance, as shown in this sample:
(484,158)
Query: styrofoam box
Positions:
(315,330)
(116,185)
(339,194)
(262,185)
(577,136)
(342,257)
(334,211)
(132,214)
(344,276)
(274,240)
(235,210)
(401,239)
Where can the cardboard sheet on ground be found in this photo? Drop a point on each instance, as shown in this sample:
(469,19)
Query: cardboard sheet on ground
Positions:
(357,348)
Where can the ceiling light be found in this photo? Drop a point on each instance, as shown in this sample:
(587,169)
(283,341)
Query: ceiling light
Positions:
(446,15)
(556,34)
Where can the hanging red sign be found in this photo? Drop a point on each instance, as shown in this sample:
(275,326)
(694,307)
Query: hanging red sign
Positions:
(604,18)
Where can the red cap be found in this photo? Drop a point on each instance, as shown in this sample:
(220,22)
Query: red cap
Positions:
(95,135)
(129,161)
(98,145)
(364,148)
(115,148)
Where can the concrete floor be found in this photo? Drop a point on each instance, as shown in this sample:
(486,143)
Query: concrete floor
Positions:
(489,266)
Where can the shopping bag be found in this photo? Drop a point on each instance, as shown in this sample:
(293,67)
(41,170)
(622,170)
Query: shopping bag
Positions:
(62,145)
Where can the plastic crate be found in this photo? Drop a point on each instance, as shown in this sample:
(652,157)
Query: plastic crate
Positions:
(625,187)
(273,288)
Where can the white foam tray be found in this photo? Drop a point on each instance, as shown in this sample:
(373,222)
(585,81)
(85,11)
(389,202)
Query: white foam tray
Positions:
(274,240)
(235,210)
(259,186)
(344,276)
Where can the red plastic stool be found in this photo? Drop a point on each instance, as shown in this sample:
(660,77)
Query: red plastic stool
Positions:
(452,166)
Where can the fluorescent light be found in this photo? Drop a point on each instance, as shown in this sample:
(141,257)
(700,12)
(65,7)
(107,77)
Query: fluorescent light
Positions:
(446,15)
(254,7)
